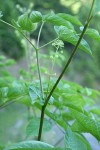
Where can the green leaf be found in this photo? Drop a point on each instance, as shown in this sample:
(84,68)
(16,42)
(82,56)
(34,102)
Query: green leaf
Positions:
(96,110)
(75,101)
(29,145)
(76,127)
(90,92)
(33,126)
(25,99)
(16,89)
(58,21)
(70,18)
(57,119)
(89,125)
(34,93)
(5,81)
(94,34)
(25,23)
(1,14)
(75,141)
(36,16)
(84,140)
(70,36)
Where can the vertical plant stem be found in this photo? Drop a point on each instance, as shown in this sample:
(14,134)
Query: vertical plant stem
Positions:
(39,73)
(37,57)
(63,71)
(91,11)
(41,123)
(41,88)
(39,34)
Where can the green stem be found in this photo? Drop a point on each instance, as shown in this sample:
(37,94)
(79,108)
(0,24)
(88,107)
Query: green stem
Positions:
(48,43)
(91,11)
(37,57)
(39,73)
(7,104)
(19,31)
(41,123)
(63,71)
(11,101)
(39,34)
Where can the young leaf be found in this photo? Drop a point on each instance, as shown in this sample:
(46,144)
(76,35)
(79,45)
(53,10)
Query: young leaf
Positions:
(25,23)
(33,127)
(70,36)
(94,34)
(28,145)
(70,18)
(75,141)
(89,125)
(35,16)
(58,21)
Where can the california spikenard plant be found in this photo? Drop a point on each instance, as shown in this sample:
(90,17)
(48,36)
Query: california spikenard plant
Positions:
(73,103)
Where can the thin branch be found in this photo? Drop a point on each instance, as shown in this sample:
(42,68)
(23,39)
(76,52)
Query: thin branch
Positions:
(39,73)
(48,43)
(39,34)
(10,102)
(37,57)
(19,31)
(91,11)
(7,104)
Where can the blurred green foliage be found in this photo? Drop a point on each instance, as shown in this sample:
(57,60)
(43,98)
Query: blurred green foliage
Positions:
(84,69)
